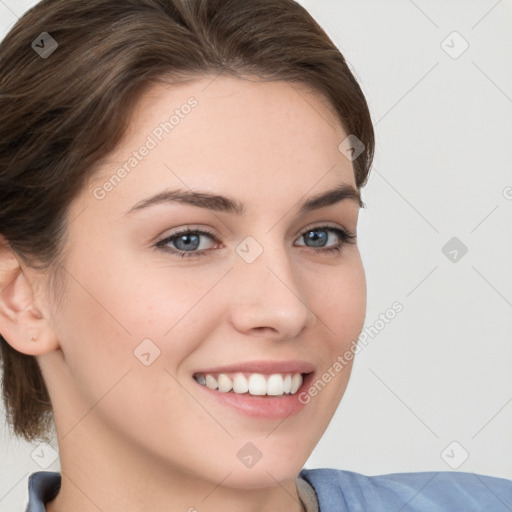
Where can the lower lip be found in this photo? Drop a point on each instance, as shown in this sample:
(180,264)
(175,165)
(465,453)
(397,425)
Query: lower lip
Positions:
(267,407)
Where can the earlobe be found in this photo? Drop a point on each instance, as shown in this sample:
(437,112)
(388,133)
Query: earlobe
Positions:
(22,324)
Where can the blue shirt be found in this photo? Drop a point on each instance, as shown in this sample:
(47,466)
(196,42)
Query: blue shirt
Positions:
(345,491)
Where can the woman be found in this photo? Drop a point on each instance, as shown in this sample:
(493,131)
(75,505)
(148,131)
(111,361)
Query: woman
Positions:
(180,189)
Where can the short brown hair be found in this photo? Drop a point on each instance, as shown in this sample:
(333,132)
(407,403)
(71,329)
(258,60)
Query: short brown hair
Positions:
(62,114)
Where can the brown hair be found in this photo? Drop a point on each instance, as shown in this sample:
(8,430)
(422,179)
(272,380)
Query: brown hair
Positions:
(62,113)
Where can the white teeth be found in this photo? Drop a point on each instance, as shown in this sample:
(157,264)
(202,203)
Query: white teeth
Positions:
(287,385)
(296,383)
(275,385)
(257,384)
(240,384)
(224,383)
(211,382)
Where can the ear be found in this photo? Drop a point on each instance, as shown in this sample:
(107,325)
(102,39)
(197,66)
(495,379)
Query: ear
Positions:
(23,324)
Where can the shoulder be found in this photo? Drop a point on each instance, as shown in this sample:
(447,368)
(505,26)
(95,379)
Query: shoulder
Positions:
(432,491)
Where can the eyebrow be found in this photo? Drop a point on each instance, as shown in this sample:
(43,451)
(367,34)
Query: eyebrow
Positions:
(220,203)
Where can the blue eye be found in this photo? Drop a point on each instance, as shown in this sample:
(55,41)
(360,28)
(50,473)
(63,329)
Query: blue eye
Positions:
(187,240)
(311,235)
(185,243)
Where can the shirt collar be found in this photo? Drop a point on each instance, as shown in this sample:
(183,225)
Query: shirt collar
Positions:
(43,486)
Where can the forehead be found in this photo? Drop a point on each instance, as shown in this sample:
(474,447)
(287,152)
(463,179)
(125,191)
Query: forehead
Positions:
(238,135)
(250,94)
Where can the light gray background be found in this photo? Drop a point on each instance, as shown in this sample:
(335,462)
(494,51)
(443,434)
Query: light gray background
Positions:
(439,372)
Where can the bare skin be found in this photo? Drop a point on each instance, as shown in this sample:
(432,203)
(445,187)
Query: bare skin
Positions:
(136,437)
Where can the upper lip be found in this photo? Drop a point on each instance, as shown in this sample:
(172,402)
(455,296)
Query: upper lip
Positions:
(289,366)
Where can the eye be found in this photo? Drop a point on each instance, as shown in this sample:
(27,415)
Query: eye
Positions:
(187,242)
(319,236)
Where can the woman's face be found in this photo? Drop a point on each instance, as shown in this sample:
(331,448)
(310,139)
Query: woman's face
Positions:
(138,320)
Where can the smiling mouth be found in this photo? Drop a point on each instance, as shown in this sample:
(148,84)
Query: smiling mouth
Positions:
(254,384)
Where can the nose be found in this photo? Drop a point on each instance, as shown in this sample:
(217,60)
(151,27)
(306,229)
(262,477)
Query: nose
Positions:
(268,298)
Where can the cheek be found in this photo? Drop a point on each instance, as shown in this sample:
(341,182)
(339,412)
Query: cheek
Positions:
(341,312)
(113,314)
(339,300)
(113,336)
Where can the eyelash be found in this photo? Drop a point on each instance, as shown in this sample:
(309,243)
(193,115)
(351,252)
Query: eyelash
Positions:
(345,236)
